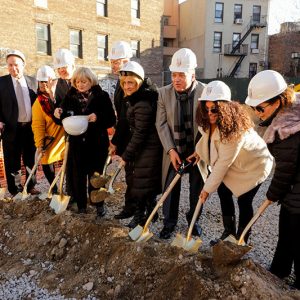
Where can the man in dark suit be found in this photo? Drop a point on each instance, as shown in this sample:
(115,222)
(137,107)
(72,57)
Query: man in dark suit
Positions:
(17,94)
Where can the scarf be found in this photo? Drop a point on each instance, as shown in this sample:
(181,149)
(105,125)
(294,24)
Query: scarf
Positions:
(183,122)
(83,100)
(46,104)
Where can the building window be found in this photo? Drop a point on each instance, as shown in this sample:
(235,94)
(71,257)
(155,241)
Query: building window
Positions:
(168,42)
(235,39)
(256,13)
(102,48)
(76,43)
(101,8)
(254,43)
(166,20)
(219,11)
(135,9)
(217,47)
(252,69)
(43,40)
(238,9)
(41,3)
(135,46)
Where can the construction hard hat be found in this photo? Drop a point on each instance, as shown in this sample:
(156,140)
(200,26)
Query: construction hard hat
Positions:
(264,86)
(216,91)
(133,67)
(183,60)
(15,53)
(44,73)
(62,58)
(120,50)
(75,125)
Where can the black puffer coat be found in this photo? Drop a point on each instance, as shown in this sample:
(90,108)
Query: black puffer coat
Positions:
(144,149)
(283,139)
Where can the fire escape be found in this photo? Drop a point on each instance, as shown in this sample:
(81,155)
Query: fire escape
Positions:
(239,49)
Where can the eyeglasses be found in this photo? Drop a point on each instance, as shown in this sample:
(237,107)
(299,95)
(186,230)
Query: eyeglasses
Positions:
(213,110)
(260,109)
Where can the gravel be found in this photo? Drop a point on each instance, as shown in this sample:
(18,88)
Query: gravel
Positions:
(263,237)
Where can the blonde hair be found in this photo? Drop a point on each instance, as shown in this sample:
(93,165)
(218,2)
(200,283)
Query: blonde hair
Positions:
(136,78)
(84,73)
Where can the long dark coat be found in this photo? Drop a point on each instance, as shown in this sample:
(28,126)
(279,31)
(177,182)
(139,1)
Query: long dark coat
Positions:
(144,149)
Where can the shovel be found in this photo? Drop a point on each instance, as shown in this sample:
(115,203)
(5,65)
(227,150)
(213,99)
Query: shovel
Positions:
(48,195)
(60,202)
(97,180)
(101,194)
(140,234)
(24,195)
(188,243)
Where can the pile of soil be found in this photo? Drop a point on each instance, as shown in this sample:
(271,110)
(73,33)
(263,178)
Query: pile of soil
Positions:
(84,257)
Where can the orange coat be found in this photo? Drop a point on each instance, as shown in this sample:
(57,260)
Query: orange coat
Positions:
(42,126)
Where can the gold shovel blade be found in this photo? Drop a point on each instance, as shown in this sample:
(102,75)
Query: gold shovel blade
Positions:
(98,181)
(99,195)
(59,203)
(2,193)
(18,196)
(139,234)
(178,241)
(45,196)
(192,245)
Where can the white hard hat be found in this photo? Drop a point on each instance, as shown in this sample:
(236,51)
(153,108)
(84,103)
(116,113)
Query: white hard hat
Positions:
(183,60)
(216,91)
(75,125)
(133,67)
(120,50)
(15,53)
(44,73)
(264,86)
(62,58)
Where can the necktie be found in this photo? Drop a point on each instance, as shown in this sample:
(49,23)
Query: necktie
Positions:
(21,103)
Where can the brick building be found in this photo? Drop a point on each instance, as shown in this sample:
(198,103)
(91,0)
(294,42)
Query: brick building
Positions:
(284,50)
(88,28)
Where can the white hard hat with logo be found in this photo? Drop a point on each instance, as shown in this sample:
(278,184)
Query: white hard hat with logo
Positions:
(44,73)
(183,60)
(216,91)
(75,125)
(62,58)
(120,50)
(133,67)
(15,53)
(264,86)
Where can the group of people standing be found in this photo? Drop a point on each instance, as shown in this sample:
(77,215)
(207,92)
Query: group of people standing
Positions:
(156,130)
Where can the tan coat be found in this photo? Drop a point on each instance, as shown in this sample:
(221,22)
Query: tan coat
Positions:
(166,107)
(43,125)
(241,165)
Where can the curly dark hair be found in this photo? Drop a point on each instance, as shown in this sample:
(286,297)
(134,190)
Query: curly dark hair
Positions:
(233,119)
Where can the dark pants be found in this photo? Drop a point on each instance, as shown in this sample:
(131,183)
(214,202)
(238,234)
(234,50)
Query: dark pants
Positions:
(171,204)
(244,203)
(288,246)
(130,202)
(49,172)
(21,146)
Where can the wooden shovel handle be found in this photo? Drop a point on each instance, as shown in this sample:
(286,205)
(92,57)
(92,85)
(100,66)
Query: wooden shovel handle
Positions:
(260,210)
(108,160)
(161,200)
(54,182)
(195,215)
(63,168)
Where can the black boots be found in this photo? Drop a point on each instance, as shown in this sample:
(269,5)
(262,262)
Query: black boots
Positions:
(229,228)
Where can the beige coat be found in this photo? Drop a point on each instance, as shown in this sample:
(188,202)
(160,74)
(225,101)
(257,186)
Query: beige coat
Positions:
(241,165)
(166,108)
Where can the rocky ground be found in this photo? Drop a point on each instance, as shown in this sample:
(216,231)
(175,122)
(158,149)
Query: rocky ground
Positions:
(72,256)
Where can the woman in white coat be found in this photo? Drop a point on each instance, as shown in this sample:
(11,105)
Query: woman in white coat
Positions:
(234,159)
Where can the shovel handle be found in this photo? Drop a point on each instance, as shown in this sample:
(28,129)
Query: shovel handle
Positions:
(32,172)
(54,182)
(260,210)
(161,200)
(63,168)
(195,215)
(108,160)
(112,180)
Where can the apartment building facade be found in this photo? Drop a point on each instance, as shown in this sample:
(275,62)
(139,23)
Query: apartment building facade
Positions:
(229,37)
(88,28)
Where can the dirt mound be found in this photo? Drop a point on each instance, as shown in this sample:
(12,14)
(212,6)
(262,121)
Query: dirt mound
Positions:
(83,257)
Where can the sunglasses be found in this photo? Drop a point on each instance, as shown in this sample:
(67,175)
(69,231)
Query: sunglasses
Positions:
(260,109)
(213,110)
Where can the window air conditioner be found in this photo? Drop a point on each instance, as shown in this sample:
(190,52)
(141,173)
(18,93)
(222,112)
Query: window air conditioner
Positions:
(255,51)
(238,21)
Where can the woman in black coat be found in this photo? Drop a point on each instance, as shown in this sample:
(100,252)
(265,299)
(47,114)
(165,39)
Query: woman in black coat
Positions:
(144,150)
(88,151)
(277,106)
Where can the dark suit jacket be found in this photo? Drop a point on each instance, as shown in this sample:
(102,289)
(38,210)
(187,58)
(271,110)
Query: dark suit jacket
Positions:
(61,91)
(9,105)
